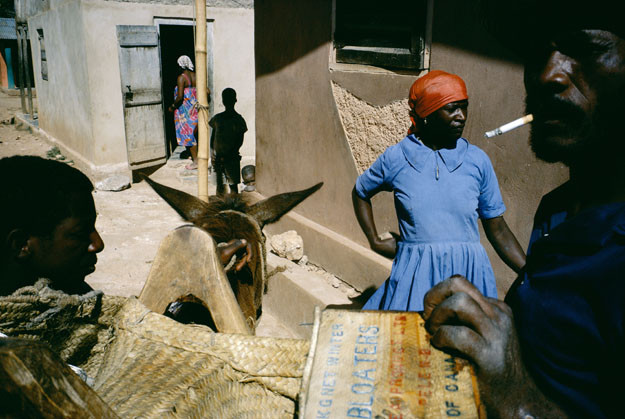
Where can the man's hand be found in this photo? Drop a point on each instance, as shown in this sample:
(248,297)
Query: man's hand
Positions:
(241,248)
(465,323)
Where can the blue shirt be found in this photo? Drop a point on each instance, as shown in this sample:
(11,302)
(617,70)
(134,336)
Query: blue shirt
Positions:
(570,306)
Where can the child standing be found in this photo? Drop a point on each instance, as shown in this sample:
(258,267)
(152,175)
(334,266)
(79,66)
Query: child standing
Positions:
(228,128)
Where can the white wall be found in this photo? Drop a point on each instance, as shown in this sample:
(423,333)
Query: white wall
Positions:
(64,99)
(233,56)
(81,104)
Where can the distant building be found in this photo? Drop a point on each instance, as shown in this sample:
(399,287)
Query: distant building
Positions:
(105,73)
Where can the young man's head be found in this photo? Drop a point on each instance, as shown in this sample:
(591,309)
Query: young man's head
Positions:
(47,224)
(229,97)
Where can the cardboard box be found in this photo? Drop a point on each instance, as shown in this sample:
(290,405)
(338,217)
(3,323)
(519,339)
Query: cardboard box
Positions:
(376,364)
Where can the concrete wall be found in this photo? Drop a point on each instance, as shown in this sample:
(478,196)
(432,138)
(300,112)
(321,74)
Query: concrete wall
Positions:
(315,118)
(83,67)
(233,56)
(64,99)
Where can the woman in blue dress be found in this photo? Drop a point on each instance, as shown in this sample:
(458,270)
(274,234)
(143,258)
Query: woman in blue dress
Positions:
(441,185)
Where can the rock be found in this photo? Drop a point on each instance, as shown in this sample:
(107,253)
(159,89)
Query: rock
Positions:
(288,245)
(113,183)
(303,261)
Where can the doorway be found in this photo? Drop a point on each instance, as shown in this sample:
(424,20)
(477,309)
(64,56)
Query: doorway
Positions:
(176,39)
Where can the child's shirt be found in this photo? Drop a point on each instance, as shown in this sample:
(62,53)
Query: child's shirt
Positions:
(228,129)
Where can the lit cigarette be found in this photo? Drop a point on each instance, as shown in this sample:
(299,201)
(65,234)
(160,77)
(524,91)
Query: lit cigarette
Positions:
(510,126)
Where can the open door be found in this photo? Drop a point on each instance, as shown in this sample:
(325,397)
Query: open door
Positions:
(140,70)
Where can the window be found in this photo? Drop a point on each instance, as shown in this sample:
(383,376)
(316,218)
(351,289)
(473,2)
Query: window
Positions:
(42,53)
(391,33)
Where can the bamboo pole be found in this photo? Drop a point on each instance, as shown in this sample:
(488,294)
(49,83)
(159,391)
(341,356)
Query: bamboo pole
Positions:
(26,63)
(202,96)
(20,60)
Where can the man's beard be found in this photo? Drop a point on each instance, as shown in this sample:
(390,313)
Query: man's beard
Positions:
(576,137)
(566,146)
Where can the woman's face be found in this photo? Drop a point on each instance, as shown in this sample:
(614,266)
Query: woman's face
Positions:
(447,123)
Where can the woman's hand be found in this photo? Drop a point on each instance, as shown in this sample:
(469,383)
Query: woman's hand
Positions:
(386,247)
(364,215)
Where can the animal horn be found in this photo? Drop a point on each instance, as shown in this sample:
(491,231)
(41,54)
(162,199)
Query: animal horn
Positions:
(271,209)
(188,206)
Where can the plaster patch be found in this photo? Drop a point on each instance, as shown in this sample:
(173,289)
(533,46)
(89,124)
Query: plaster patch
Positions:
(370,129)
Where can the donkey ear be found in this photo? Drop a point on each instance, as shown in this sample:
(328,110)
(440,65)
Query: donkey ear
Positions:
(188,206)
(271,209)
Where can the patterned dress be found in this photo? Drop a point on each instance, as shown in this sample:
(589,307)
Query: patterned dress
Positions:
(439,196)
(186,116)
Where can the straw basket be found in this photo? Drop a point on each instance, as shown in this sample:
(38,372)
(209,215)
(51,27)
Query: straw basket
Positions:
(147,365)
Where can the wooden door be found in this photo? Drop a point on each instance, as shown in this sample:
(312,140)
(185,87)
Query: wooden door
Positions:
(140,70)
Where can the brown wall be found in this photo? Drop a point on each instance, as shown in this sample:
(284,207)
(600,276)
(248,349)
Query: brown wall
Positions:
(301,138)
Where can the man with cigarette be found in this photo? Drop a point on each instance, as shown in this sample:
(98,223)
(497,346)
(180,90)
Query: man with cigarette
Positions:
(555,347)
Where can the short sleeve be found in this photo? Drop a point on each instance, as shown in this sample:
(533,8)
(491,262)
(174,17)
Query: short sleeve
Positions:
(490,203)
(243,125)
(374,179)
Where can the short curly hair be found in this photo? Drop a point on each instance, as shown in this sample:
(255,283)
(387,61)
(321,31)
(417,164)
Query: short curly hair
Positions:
(37,194)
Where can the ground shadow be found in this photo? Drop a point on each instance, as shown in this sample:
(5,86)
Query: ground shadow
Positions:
(356,303)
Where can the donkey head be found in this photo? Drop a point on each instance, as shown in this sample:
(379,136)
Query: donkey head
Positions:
(232,217)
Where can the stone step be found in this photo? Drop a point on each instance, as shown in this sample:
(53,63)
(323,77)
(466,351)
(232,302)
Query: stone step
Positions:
(293,291)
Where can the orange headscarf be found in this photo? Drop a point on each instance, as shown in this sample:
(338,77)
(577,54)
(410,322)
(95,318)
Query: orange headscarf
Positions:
(433,91)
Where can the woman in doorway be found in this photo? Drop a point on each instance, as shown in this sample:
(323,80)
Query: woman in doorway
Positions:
(442,185)
(185,109)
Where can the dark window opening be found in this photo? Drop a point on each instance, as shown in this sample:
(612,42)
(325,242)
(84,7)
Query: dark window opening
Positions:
(385,34)
(176,40)
(42,53)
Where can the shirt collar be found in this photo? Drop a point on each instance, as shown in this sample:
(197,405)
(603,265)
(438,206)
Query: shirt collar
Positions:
(417,153)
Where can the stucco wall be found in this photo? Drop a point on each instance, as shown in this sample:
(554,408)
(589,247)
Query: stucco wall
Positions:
(302,138)
(64,99)
(85,40)
(496,95)
(233,57)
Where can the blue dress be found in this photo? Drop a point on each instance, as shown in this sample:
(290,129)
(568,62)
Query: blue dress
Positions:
(439,196)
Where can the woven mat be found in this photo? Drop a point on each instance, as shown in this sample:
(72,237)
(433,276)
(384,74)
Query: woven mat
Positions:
(186,370)
(77,327)
(147,365)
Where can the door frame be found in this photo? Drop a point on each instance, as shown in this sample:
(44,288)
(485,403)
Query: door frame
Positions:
(181,21)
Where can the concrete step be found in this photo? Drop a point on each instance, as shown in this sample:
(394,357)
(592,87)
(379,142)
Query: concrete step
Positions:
(185,179)
(293,291)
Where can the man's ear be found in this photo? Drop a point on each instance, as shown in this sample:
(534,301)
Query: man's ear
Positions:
(19,244)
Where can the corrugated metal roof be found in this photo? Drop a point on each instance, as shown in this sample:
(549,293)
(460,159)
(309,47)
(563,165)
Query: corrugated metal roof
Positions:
(7,28)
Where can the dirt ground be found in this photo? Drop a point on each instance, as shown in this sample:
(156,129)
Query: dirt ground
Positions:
(132,222)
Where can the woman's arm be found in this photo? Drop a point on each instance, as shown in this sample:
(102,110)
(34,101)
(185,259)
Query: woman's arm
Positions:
(504,242)
(179,95)
(364,214)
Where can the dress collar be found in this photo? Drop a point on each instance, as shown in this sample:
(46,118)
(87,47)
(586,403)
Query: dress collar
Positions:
(417,153)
